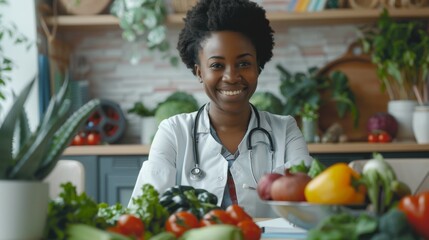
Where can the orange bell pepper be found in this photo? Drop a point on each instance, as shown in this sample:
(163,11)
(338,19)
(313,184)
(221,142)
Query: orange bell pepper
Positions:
(338,184)
(416,208)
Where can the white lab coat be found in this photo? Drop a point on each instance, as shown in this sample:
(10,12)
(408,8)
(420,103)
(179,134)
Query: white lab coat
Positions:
(173,147)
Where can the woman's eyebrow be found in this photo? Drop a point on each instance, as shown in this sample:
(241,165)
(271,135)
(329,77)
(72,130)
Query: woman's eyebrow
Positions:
(239,56)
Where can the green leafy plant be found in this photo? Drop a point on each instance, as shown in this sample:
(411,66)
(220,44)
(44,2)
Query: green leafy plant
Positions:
(177,102)
(144,20)
(400,51)
(302,92)
(35,154)
(8,31)
(267,101)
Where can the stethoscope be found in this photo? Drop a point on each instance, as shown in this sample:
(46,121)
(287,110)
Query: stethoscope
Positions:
(197,173)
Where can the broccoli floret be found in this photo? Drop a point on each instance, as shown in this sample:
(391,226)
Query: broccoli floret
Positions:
(395,224)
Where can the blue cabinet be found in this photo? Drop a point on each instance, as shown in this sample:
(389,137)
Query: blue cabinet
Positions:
(110,179)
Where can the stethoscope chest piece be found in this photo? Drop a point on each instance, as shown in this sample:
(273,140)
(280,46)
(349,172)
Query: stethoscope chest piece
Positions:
(196,173)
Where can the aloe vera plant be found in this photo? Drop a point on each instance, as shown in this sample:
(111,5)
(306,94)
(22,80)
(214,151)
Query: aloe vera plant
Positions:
(26,155)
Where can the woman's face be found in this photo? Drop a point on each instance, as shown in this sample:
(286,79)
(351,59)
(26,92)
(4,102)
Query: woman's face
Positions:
(228,69)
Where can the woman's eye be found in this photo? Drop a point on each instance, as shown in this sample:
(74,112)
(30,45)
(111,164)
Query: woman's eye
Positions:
(244,64)
(216,65)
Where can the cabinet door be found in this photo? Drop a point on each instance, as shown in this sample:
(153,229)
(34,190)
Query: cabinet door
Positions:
(90,164)
(118,175)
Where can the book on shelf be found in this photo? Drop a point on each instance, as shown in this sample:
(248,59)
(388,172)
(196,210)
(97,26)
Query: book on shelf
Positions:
(301,5)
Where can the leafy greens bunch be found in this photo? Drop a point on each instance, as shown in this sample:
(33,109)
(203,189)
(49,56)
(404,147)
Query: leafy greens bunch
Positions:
(400,51)
(71,209)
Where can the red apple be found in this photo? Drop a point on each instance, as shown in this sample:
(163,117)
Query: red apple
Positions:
(264,185)
(290,187)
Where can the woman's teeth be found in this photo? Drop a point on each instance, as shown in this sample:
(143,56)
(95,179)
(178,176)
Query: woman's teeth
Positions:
(231,93)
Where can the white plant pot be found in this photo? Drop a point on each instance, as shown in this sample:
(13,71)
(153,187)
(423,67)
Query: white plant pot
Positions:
(403,111)
(421,124)
(23,208)
(148,129)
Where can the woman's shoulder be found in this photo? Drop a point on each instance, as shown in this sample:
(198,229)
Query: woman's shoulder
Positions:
(276,117)
(180,120)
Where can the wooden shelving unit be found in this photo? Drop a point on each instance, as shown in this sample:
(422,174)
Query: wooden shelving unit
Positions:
(337,16)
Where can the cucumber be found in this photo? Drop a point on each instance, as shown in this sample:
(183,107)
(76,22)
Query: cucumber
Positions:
(214,232)
(163,236)
(86,232)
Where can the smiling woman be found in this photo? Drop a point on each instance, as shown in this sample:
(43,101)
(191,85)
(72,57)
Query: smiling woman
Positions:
(228,143)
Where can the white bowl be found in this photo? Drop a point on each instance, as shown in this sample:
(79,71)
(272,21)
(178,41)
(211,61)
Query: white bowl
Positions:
(308,215)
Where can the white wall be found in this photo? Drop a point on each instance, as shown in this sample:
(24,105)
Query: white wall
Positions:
(22,13)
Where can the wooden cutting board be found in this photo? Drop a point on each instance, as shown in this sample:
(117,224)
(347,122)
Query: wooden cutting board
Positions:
(365,85)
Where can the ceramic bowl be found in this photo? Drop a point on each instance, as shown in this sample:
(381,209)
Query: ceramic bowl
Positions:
(307,215)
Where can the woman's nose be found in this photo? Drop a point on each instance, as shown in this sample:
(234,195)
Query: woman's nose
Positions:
(231,74)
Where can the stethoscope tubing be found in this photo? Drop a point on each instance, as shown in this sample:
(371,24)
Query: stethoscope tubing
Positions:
(197,173)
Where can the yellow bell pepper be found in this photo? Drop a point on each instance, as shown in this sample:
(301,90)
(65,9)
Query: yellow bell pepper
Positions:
(338,184)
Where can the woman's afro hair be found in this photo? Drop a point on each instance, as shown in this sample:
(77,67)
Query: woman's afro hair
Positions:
(241,16)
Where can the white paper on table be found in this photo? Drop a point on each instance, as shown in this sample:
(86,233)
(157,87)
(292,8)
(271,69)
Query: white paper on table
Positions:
(279,225)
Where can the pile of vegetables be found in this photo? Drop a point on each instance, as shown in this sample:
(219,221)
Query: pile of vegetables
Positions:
(394,213)
(181,212)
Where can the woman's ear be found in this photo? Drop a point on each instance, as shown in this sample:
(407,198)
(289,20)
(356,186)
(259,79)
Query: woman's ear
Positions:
(198,73)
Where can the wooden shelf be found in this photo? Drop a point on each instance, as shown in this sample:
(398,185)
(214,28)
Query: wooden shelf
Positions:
(337,16)
(358,147)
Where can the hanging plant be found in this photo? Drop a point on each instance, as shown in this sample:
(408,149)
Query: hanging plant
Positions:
(144,20)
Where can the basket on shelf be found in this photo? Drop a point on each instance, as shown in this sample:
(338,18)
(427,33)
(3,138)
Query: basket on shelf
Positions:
(181,6)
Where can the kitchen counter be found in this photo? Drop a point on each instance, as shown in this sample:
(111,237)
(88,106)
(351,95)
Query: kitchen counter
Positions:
(313,148)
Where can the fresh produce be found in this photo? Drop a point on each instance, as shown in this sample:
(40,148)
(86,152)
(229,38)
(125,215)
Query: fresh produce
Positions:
(379,136)
(71,208)
(214,232)
(217,216)
(338,184)
(129,225)
(290,187)
(250,229)
(383,121)
(264,185)
(180,198)
(316,167)
(344,226)
(180,222)
(147,206)
(379,176)
(87,232)
(237,213)
(394,225)
(416,209)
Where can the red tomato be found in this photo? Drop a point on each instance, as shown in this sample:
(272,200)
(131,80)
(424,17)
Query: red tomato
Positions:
(384,137)
(178,223)
(217,216)
(78,140)
(237,213)
(372,138)
(130,225)
(250,229)
(93,138)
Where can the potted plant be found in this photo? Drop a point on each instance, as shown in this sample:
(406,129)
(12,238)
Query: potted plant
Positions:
(144,20)
(8,31)
(178,102)
(28,157)
(400,50)
(303,94)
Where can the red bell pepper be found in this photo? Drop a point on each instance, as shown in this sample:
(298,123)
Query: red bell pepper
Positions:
(416,207)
